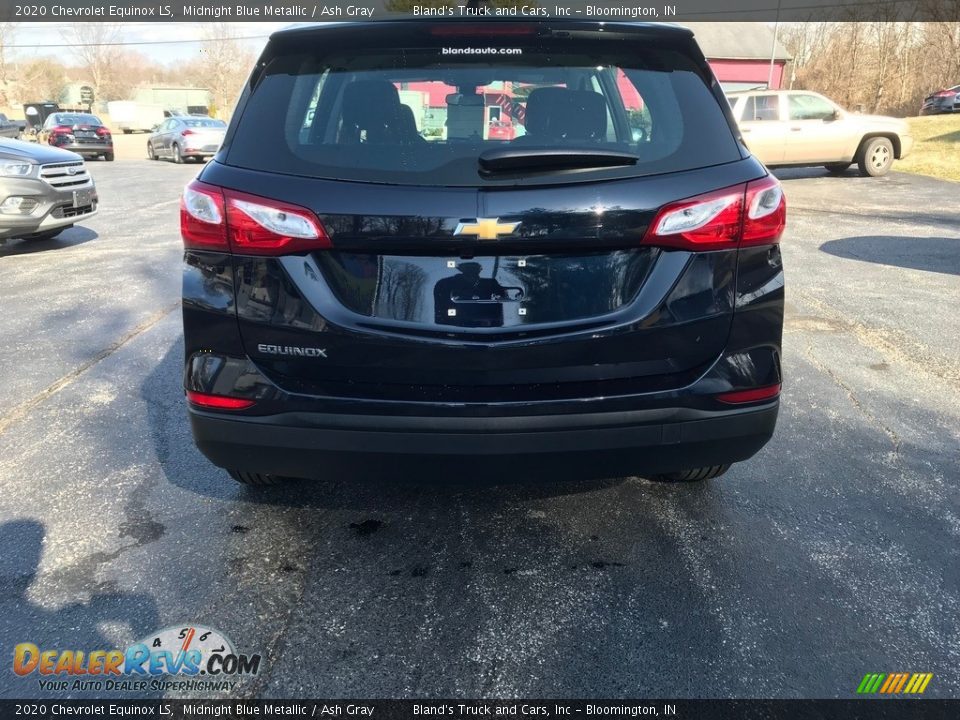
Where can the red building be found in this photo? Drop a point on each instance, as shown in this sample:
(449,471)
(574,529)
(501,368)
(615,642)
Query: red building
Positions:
(740,53)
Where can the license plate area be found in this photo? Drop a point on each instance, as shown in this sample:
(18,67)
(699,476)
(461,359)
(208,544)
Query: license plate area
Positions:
(486,291)
(82,198)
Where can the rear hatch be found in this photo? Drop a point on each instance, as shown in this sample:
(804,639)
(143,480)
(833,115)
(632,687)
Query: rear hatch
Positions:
(452,265)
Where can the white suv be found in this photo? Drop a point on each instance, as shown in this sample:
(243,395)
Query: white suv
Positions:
(798,127)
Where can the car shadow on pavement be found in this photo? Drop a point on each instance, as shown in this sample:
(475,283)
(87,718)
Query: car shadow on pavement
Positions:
(58,627)
(805,173)
(510,565)
(67,239)
(431,585)
(931,254)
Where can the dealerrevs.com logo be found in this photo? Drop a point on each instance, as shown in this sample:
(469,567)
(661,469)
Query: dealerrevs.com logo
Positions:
(185,658)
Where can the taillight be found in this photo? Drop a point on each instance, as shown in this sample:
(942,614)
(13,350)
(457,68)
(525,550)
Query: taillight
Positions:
(738,397)
(103,131)
(202,217)
(58,133)
(766,212)
(945,93)
(212,217)
(749,214)
(186,132)
(218,402)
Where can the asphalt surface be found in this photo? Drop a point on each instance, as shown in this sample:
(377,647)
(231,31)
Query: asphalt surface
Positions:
(831,554)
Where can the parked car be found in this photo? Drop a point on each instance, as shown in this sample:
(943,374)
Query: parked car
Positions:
(82,133)
(186,138)
(942,101)
(43,190)
(798,127)
(501,130)
(353,288)
(11,128)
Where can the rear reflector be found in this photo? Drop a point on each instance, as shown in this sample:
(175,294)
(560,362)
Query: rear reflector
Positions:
(752,395)
(751,214)
(215,218)
(218,402)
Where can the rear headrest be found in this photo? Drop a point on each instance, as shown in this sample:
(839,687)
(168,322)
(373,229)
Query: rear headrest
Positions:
(367,101)
(407,123)
(554,112)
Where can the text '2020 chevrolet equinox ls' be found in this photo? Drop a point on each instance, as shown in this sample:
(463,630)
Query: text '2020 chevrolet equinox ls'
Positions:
(370,271)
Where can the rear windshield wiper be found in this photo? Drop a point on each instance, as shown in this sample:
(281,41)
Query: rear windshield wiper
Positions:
(514,159)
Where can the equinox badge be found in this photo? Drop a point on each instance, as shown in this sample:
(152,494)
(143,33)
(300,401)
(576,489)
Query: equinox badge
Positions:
(313,352)
(486,228)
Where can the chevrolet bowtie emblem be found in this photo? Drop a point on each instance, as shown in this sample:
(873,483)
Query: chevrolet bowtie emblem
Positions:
(486,228)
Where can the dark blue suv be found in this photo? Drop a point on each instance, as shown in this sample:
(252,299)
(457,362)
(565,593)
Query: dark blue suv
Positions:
(478,241)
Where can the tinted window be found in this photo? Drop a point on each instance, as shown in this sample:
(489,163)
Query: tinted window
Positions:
(204,123)
(423,116)
(761,107)
(809,107)
(76,119)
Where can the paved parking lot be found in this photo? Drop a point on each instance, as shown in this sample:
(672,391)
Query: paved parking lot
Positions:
(835,552)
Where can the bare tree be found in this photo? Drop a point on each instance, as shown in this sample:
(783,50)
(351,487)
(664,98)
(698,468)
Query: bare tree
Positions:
(887,64)
(95,46)
(223,66)
(41,79)
(7,33)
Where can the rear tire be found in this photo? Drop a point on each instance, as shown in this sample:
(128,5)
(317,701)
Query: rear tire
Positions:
(177,157)
(695,475)
(108,157)
(255,479)
(151,153)
(876,157)
(837,168)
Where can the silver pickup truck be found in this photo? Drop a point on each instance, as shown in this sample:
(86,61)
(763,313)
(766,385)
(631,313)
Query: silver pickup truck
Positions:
(43,190)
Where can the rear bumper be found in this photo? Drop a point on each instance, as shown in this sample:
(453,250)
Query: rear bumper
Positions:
(661,440)
(88,149)
(939,108)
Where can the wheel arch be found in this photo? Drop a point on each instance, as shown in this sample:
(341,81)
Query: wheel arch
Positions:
(889,135)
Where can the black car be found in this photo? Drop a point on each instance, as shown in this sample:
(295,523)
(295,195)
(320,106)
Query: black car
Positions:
(942,101)
(367,275)
(83,133)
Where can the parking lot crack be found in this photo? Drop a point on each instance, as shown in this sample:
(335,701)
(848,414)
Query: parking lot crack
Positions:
(854,400)
(892,345)
(21,411)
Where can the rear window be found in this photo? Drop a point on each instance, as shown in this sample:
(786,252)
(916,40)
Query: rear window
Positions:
(204,123)
(761,107)
(423,116)
(77,119)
